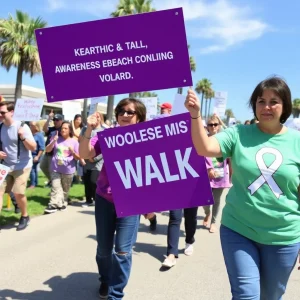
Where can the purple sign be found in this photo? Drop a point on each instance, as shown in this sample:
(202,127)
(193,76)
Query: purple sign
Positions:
(135,53)
(153,166)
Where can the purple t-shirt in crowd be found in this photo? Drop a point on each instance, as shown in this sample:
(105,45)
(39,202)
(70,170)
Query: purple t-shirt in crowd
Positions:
(103,186)
(62,160)
(222,171)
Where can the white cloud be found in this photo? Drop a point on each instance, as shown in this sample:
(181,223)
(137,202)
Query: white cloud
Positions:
(220,22)
(97,8)
(55,4)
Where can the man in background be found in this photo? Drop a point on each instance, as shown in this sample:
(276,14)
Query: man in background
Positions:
(50,131)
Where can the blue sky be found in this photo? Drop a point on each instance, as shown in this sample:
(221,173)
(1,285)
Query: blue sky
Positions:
(235,43)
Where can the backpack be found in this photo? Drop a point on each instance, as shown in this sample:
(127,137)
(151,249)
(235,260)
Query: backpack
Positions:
(19,142)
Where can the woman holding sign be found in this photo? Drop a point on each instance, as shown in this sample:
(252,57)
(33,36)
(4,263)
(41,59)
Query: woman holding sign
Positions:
(260,231)
(114,264)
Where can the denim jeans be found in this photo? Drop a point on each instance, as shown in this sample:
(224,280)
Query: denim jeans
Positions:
(114,265)
(257,271)
(190,224)
(90,184)
(34,174)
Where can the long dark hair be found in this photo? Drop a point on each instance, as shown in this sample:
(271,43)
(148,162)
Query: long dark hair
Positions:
(76,117)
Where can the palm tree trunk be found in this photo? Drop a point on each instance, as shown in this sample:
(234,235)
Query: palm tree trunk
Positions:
(206,110)
(227,120)
(18,90)
(110,107)
(179,91)
(202,103)
(209,106)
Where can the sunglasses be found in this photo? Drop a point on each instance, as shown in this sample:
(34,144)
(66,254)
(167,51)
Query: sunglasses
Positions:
(56,120)
(3,113)
(129,113)
(213,124)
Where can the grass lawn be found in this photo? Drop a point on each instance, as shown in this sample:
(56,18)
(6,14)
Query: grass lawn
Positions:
(38,199)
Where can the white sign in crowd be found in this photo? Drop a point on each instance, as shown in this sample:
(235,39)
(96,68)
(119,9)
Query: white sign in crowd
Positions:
(220,104)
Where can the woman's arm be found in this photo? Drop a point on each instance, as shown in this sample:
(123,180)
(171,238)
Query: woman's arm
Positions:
(74,153)
(50,146)
(204,145)
(86,150)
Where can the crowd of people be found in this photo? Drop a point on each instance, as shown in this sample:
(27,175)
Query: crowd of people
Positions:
(248,164)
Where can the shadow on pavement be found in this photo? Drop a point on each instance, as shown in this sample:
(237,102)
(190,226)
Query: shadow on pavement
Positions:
(73,287)
(87,212)
(155,251)
(160,229)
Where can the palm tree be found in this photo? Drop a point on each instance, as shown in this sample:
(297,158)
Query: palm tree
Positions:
(202,87)
(125,8)
(296,108)
(229,114)
(132,7)
(145,95)
(18,46)
(193,69)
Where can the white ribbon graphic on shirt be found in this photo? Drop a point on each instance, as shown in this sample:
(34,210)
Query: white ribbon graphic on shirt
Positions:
(267,172)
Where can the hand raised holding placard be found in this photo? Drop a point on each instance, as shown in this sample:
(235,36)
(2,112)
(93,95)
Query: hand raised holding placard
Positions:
(51,115)
(92,121)
(192,103)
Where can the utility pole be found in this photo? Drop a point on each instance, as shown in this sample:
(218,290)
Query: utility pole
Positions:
(84,117)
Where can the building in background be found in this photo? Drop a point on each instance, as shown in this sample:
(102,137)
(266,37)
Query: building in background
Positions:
(7,91)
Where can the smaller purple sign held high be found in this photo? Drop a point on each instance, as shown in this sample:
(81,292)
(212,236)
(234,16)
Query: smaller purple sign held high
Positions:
(153,166)
(135,53)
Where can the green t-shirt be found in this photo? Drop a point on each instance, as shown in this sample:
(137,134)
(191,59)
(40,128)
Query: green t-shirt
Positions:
(263,203)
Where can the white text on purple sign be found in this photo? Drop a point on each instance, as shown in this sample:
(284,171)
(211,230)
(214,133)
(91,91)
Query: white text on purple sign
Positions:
(143,172)
(144,135)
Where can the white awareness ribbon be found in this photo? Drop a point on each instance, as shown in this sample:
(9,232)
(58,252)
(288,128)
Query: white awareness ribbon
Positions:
(267,172)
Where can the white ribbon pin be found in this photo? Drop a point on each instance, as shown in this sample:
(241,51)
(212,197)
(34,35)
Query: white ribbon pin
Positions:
(267,172)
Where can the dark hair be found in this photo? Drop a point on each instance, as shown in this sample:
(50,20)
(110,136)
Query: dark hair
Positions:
(252,121)
(9,104)
(79,116)
(71,132)
(246,122)
(140,108)
(280,88)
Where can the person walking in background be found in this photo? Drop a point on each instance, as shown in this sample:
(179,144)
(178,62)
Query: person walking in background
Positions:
(260,231)
(37,153)
(114,263)
(77,126)
(16,144)
(93,165)
(219,174)
(63,167)
(190,225)
(50,131)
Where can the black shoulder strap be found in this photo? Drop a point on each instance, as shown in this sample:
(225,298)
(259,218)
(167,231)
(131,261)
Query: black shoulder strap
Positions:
(19,143)
(1,142)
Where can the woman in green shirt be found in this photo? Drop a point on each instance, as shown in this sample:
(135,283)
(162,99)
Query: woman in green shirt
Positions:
(260,232)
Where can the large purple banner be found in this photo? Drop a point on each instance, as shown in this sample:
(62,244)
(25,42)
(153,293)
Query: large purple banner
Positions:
(152,166)
(135,53)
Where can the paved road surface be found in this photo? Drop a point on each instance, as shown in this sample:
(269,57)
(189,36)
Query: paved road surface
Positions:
(54,259)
